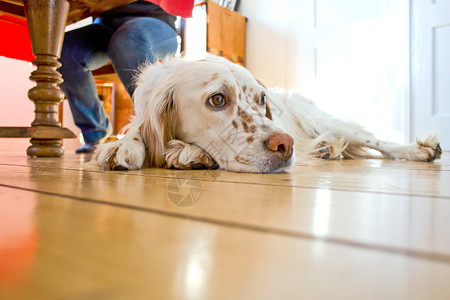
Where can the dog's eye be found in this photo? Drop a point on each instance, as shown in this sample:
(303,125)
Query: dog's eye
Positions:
(263,99)
(217,100)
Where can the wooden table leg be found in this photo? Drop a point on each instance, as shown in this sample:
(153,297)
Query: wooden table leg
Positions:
(46,22)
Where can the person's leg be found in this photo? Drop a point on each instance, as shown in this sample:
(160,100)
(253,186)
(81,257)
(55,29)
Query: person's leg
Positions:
(85,49)
(137,41)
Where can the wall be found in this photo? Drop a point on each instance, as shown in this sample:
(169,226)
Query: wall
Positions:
(15,107)
(267,40)
(350,57)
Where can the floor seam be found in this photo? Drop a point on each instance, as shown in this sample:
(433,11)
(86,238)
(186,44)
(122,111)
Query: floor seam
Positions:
(252,183)
(439,257)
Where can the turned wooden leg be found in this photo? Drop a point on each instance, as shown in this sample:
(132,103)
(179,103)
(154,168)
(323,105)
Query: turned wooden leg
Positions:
(46,22)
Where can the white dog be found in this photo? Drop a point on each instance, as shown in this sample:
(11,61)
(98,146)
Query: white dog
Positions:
(212,113)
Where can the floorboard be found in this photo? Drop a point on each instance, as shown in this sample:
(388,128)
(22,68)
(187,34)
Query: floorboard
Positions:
(372,229)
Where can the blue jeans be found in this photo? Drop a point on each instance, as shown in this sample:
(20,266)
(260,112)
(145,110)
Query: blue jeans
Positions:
(128,43)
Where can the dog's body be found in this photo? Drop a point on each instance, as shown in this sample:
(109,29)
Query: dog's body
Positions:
(212,113)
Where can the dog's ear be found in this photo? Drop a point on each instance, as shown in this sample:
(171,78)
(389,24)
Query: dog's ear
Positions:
(156,108)
(158,127)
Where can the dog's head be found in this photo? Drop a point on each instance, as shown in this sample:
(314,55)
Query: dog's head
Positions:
(216,105)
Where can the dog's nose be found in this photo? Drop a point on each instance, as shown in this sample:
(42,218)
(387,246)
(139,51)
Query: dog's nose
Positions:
(281,144)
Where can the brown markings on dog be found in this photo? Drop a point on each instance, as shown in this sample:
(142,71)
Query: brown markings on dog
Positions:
(244,115)
(264,127)
(235,124)
(136,139)
(213,77)
(253,128)
(244,88)
(232,90)
(250,139)
(245,126)
(257,98)
(240,159)
(111,164)
(367,141)
(260,83)
(257,110)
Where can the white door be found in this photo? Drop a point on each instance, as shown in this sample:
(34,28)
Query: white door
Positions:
(351,57)
(430,68)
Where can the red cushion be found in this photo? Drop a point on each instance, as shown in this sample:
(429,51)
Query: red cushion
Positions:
(182,8)
(16,41)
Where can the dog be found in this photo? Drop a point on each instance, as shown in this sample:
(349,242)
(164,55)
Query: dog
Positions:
(212,113)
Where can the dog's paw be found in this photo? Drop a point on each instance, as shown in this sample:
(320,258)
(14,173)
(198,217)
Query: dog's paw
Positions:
(181,155)
(326,150)
(428,149)
(121,155)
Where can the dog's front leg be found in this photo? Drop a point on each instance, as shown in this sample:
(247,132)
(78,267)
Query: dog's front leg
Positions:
(181,155)
(125,154)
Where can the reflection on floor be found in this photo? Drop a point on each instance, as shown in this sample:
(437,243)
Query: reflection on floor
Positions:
(345,229)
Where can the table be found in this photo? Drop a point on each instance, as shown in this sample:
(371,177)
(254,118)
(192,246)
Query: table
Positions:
(46,22)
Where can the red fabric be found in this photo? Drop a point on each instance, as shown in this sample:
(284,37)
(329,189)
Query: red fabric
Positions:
(16,41)
(182,8)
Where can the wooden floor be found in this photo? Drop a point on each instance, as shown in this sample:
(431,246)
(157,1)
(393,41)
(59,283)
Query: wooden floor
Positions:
(349,229)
